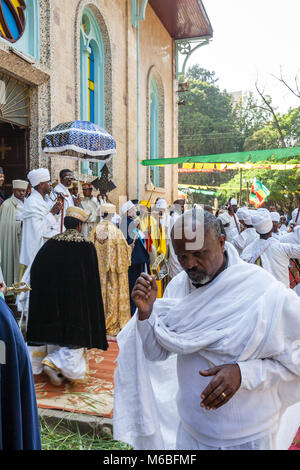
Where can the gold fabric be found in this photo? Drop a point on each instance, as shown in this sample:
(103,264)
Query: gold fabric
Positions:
(158,236)
(114,259)
(70,235)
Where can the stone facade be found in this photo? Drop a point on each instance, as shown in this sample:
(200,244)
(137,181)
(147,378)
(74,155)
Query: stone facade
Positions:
(55,88)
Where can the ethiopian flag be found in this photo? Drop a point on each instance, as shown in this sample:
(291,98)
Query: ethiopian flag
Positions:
(259,193)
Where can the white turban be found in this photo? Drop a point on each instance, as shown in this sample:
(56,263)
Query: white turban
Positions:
(38,176)
(244,214)
(233,202)
(294,215)
(262,221)
(225,218)
(20,184)
(126,207)
(275,216)
(161,204)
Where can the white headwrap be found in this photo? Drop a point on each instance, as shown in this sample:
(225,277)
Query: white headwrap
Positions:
(262,221)
(244,214)
(275,216)
(233,202)
(294,215)
(161,204)
(20,184)
(126,207)
(225,218)
(38,176)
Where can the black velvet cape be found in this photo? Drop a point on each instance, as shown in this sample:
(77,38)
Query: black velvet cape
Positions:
(65,306)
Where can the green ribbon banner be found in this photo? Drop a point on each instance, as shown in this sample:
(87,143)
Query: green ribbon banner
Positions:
(237,157)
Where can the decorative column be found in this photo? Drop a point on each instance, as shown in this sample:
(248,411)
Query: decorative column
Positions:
(138,14)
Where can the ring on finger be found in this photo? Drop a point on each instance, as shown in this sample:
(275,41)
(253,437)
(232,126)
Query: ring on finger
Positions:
(223,395)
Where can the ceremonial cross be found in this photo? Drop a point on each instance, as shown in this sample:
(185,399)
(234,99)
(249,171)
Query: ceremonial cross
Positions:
(4,148)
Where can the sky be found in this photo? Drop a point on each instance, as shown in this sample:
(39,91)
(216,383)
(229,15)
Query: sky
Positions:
(253,40)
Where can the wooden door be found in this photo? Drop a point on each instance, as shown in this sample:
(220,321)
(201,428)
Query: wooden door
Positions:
(13,155)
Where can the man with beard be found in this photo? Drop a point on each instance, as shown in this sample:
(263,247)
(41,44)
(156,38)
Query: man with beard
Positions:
(66,179)
(220,318)
(38,216)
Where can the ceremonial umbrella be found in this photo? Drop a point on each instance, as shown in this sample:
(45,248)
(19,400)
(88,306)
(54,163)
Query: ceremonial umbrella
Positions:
(83,137)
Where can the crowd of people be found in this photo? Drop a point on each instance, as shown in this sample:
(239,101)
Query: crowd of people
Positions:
(202,302)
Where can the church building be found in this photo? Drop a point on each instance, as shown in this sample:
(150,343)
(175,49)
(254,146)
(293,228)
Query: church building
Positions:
(115,63)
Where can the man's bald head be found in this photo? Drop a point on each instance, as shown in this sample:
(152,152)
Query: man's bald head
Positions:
(199,245)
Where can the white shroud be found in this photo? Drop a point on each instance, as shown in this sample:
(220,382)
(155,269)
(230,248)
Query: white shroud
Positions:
(243,314)
(38,224)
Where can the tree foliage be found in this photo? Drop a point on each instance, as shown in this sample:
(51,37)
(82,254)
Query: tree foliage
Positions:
(209,123)
(282,185)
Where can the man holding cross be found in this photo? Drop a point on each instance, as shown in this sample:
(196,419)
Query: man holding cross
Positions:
(217,359)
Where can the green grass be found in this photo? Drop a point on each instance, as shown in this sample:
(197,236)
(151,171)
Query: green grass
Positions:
(60,438)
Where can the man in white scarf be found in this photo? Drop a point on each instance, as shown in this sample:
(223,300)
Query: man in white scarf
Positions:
(66,179)
(38,216)
(275,216)
(220,318)
(248,233)
(267,251)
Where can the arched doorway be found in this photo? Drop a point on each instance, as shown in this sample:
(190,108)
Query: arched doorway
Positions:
(14,130)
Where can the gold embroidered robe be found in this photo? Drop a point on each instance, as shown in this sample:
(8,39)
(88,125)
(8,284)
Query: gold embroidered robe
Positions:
(114,259)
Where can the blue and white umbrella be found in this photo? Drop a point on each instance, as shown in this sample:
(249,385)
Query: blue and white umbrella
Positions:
(83,137)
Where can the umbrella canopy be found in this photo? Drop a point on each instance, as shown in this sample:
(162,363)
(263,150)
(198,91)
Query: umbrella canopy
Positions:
(83,137)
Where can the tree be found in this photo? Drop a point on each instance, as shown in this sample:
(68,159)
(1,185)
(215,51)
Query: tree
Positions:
(198,73)
(267,106)
(268,137)
(206,122)
(249,116)
(207,125)
(296,90)
(282,184)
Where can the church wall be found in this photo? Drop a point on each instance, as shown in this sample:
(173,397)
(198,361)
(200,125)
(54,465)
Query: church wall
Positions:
(55,87)
(156,50)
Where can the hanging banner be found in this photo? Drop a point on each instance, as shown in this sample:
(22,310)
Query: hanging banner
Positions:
(211,167)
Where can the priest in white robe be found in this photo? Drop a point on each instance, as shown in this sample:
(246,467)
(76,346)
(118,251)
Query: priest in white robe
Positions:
(268,252)
(275,216)
(92,207)
(248,233)
(66,179)
(206,367)
(11,232)
(39,221)
(229,231)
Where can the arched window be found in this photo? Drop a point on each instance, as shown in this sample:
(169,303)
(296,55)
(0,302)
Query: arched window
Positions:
(154,130)
(20,25)
(92,63)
